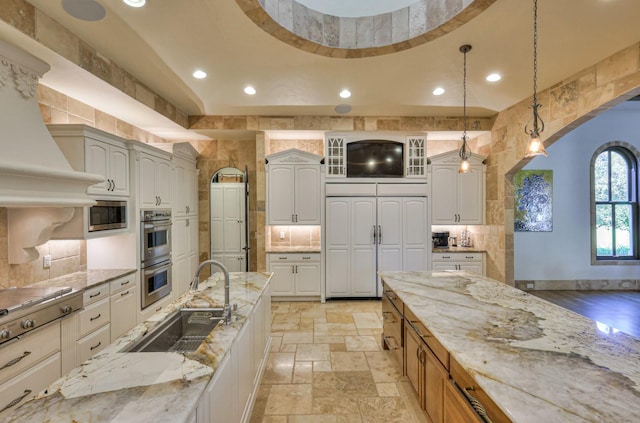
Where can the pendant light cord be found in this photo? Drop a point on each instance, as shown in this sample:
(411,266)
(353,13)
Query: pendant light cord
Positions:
(538,123)
(464,152)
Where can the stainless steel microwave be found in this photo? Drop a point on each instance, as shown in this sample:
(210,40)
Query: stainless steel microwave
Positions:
(107,215)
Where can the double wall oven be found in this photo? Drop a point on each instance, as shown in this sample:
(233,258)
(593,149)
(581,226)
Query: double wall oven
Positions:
(155,255)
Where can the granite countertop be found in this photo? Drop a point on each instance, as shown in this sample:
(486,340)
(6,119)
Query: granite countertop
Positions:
(283,250)
(85,279)
(452,249)
(538,362)
(116,386)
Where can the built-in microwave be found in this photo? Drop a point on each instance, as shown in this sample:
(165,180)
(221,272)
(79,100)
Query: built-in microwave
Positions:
(107,214)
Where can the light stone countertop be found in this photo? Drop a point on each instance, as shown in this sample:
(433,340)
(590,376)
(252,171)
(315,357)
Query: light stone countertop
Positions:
(538,362)
(85,279)
(290,249)
(138,387)
(452,249)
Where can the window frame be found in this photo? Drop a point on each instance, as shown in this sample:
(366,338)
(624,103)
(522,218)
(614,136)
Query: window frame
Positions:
(632,155)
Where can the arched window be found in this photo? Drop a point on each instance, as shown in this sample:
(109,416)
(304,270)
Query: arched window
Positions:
(615,204)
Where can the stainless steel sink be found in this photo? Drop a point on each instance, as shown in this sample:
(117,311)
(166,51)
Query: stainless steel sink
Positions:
(183,331)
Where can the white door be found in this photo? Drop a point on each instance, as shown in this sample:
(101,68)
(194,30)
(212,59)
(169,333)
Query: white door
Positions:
(119,170)
(415,243)
(227,225)
(362,247)
(307,279)
(337,235)
(280,194)
(148,196)
(389,234)
(307,194)
(163,182)
(282,279)
(96,161)
(470,196)
(444,187)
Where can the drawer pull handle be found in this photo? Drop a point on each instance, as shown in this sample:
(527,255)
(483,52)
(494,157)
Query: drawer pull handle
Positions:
(94,318)
(477,405)
(17,400)
(415,327)
(125,283)
(306,258)
(395,345)
(469,257)
(15,360)
(96,346)
(282,258)
(94,295)
(446,257)
(390,295)
(125,293)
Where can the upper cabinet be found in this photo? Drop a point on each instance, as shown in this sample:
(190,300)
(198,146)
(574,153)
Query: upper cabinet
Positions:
(362,155)
(294,188)
(94,151)
(457,198)
(185,181)
(154,169)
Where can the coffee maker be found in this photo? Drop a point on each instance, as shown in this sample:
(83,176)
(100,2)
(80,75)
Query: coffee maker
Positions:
(440,239)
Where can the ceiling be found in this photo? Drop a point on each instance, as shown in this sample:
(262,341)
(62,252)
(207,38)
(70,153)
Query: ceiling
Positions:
(162,43)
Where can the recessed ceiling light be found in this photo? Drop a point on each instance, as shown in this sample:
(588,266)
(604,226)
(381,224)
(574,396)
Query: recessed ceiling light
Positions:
(86,10)
(199,74)
(438,91)
(135,3)
(249,90)
(345,93)
(494,77)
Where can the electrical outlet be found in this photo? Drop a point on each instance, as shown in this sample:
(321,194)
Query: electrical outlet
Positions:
(281,234)
(46,261)
(529,286)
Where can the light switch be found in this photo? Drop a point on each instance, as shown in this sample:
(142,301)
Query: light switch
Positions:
(281,234)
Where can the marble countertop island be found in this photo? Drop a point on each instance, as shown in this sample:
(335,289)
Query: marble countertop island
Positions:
(117,386)
(537,361)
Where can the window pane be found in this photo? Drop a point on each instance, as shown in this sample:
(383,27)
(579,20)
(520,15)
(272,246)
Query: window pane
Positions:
(604,230)
(619,177)
(601,177)
(623,230)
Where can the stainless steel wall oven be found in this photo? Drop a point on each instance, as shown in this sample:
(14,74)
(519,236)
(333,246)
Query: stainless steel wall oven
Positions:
(155,255)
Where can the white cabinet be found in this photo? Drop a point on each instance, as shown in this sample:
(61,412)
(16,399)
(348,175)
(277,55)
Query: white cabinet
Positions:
(184,197)
(457,198)
(415,151)
(154,179)
(184,252)
(228,237)
(295,275)
(367,234)
(293,188)
(123,305)
(94,151)
(471,262)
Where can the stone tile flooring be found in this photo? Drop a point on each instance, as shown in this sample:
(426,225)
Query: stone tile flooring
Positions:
(326,365)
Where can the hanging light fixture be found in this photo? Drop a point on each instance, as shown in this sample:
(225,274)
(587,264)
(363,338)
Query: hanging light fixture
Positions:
(536,148)
(465,151)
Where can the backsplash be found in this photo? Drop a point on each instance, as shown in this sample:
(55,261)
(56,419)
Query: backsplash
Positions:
(478,239)
(293,236)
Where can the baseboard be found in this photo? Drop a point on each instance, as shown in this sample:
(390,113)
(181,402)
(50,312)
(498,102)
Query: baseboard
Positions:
(579,285)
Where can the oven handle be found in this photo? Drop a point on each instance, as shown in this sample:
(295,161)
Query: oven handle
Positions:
(156,269)
(157,225)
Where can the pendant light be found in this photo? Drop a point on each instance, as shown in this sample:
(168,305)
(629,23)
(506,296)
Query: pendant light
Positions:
(465,151)
(536,148)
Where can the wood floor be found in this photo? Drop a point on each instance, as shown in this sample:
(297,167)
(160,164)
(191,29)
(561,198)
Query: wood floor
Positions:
(616,309)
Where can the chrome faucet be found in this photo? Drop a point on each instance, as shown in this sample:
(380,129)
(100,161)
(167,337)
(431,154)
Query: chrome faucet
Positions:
(194,286)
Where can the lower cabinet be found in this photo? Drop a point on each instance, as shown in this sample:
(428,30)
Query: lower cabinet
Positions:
(295,275)
(28,365)
(231,393)
(471,262)
(456,407)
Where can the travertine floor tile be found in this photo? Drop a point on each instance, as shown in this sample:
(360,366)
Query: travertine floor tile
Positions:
(297,338)
(367,320)
(384,367)
(344,385)
(313,352)
(289,399)
(348,361)
(361,343)
(387,390)
(303,372)
(279,368)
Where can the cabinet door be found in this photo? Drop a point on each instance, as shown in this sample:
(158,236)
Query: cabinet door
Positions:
(123,312)
(97,161)
(221,394)
(246,371)
(439,266)
(434,385)
(470,197)
(444,195)
(337,235)
(412,361)
(307,194)
(163,182)
(179,238)
(233,218)
(280,195)
(307,279)
(415,244)
(180,188)
(456,407)
(192,190)
(119,170)
(390,234)
(181,275)
(471,267)
(282,281)
(147,183)
(363,250)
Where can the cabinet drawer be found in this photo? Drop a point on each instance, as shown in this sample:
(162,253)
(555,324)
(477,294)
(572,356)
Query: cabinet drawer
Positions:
(466,384)
(436,347)
(93,316)
(395,300)
(122,283)
(457,257)
(392,329)
(297,257)
(25,352)
(31,382)
(94,294)
(92,344)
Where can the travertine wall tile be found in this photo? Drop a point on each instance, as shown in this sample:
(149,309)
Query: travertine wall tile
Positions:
(382,25)
(400,25)
(364,32)
(417,19)
(56,37)
(20,15)
(285,14)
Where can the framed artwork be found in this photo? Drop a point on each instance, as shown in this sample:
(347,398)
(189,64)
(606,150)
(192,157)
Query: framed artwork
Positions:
(533,201)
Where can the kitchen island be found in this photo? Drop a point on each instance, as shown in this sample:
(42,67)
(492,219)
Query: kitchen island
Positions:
(118,386)
(535,361)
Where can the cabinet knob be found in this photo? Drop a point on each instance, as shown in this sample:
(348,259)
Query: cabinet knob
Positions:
(66,309)
(5,334)
(28,324)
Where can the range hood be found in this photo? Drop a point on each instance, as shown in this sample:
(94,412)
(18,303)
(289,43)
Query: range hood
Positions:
(33,170)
